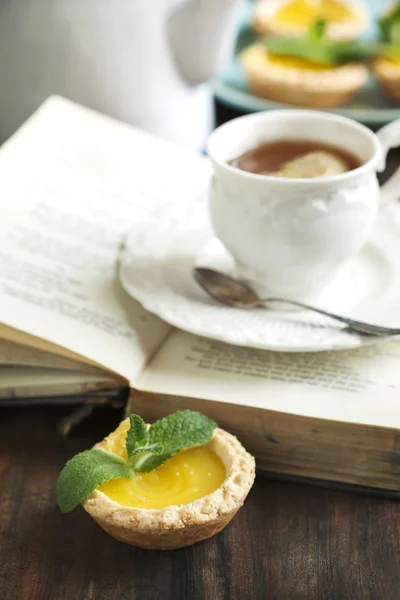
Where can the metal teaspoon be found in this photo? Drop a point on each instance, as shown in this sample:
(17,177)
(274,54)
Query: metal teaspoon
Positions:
(236,293)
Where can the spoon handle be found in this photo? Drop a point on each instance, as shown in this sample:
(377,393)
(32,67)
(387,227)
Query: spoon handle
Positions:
(362,327)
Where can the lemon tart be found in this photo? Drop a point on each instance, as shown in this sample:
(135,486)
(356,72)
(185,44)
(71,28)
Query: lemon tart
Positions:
(348,19)
(387,71)
(386,67)
(189,498)
(300,81)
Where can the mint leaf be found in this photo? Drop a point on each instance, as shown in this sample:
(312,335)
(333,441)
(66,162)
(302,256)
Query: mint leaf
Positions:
(301,48)
(148,462)
(314,47)
(181,430)
(137,443)
(144,462)
(395,33)
(317,31)
(383,30)
(154,448)
(137,435)
(343,52)
(326,54)
(177,432)
(389,26)
(85,472)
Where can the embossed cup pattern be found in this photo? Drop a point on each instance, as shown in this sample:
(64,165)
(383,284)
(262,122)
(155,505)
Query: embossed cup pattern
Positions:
(291,243)
(290,237)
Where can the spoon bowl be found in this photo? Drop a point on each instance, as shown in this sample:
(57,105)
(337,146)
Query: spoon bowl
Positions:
(226,289)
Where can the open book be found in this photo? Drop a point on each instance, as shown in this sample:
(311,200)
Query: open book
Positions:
(71,182)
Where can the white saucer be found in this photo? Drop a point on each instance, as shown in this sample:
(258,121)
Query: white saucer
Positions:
(156,269)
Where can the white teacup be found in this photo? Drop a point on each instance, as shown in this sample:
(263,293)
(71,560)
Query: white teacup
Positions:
(291,236)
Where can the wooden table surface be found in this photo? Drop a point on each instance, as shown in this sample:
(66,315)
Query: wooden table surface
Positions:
(288,542)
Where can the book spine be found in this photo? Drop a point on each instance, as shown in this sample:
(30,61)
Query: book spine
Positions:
(296,446)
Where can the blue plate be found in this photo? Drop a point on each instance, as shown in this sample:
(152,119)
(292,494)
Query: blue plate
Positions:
(370,106)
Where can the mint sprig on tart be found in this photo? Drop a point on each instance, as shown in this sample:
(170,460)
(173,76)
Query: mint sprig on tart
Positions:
(386,65)
(389,29)
(315,48)
(389,26)
(146,448)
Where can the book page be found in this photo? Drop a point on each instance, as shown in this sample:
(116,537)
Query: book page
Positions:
(39,383)
(12,354)
(15,336)
(360,386)
(71,182)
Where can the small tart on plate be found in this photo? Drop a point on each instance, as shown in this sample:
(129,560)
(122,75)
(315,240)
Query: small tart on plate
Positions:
(386,66)
(387,71)
(184,499)
(348,19)
(301,81)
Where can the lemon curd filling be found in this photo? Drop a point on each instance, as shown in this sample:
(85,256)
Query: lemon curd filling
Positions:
(306,12)
(294,62)
(390,60)
(187,476)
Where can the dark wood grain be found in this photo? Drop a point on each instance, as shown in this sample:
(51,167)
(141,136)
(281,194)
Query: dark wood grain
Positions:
(289,541)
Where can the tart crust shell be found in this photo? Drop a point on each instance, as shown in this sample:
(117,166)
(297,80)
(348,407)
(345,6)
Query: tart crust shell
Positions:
(388,75)
(177,526)
(264,22)
(301,87)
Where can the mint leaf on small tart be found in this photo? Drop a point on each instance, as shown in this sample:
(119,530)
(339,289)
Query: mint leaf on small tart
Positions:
(182,429)
(85,472)
(137,436)
(147,449)
(177,432)
(317,31)
(137,443)
(389,27)
(313,47)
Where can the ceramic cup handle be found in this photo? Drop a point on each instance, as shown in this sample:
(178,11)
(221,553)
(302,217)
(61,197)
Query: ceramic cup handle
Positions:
(389,136)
